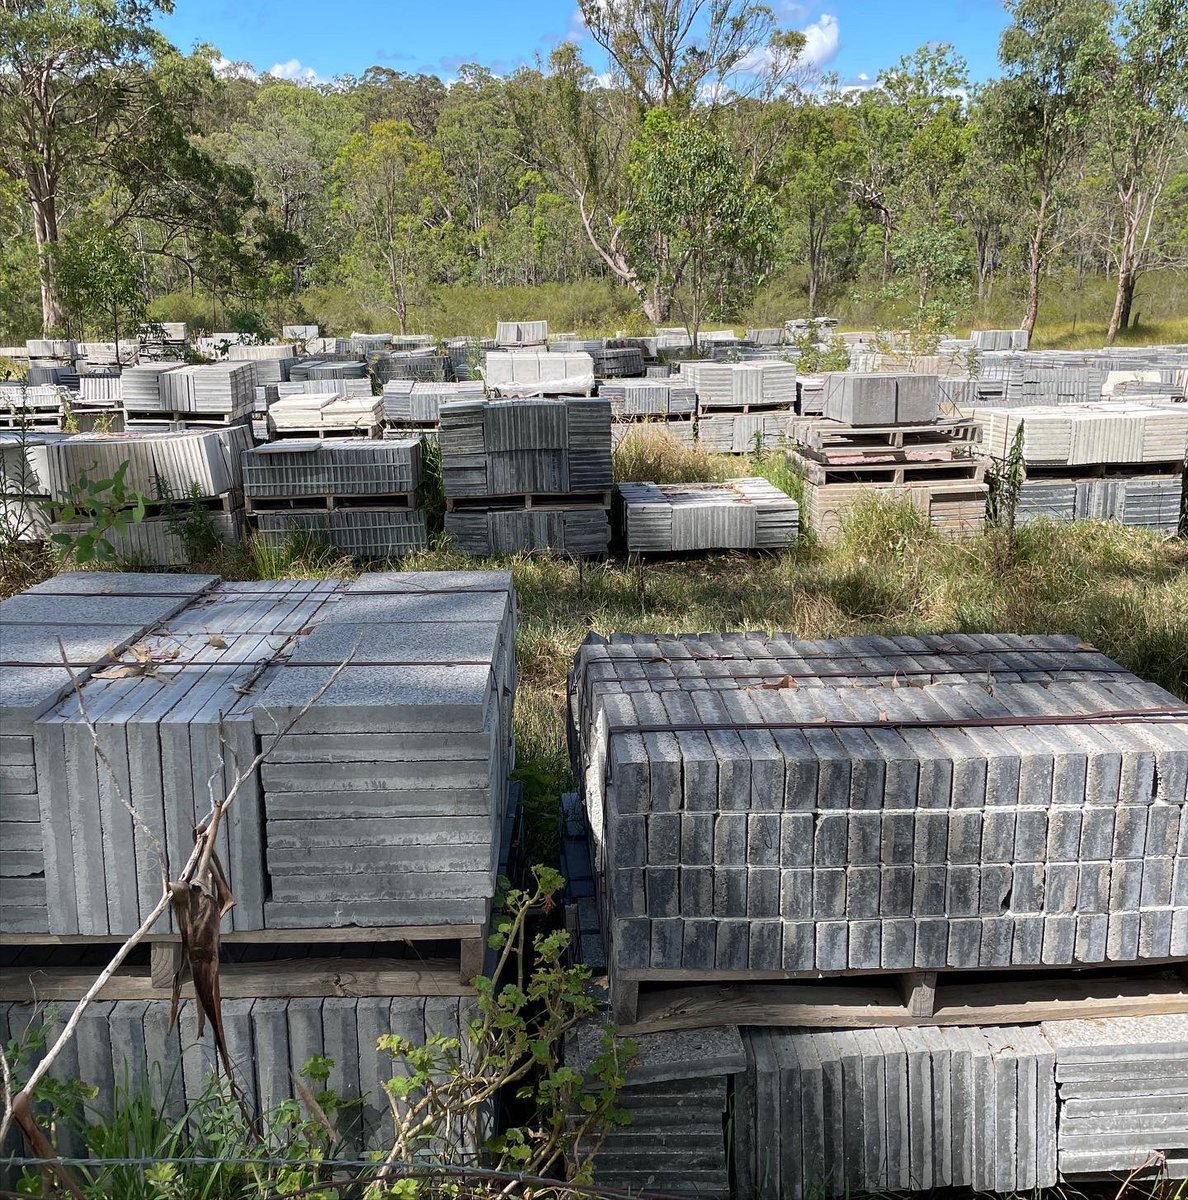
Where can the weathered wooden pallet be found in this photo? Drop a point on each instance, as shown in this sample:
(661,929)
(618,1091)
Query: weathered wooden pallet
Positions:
(957,507)
(1105,471)
(27,965)
(568,500)
(887,466)
(823,434)
(273,504)
(1020,996)
(328,431)
(213,420)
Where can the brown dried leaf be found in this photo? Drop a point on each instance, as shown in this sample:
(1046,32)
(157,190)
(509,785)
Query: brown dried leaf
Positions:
(787,682)
(217,642)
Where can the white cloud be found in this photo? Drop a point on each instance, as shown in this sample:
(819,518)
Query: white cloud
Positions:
(226,69)
(297,71)
(822,39)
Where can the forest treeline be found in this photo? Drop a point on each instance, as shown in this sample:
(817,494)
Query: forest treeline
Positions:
(709,159)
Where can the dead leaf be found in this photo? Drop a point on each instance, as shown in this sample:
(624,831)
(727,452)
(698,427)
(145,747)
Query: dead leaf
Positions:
(883,717)
(217,642)
(787,682)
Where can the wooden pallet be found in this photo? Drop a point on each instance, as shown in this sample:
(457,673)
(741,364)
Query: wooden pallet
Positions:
(954,507)
(727,408)
(281,504)
(1103,471)
(323,432)
(823,434)
(447,974)
(228,502)
(134,417)
(519,500)
(1013,997)
(885,466)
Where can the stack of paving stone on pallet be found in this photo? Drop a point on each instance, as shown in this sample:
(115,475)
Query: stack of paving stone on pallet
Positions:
(30,406)
(385,802)
(742,406)
(358,495)
(414,407)
(999,339)
(270,1040)
(328,371)
(182,472)
(328,413)
(214,394)
(163,341)
(1122,1084)
(373,820)
(539,373)
(271,363)
(835,1113)
(521,333)
(881,436)
(791,807)
(527,475)
(1117,460)
(762,808)
(24,514)
(740,514)
(660,405)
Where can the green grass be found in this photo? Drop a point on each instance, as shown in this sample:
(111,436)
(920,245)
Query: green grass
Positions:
(1073,314)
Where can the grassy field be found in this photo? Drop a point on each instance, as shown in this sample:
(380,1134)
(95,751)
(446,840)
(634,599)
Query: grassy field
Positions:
(1073,313)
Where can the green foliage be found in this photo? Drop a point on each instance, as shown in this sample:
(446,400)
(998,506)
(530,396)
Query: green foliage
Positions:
(99,275)
(698,228)
(108,506)
(442,1095)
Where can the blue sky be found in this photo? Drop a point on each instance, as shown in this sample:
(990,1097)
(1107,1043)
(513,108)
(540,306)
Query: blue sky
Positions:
(316,40)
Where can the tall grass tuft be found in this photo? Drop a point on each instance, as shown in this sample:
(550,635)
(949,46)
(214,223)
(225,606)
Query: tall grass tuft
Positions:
(649,453)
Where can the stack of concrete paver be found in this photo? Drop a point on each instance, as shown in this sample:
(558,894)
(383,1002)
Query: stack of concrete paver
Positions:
(299,333)
(162,341)
(539,373)
(521,333)
(30,406)
(270,1040)
(999,339)
(1123,1088)
(385,365)
(881,436)
(384,804)
(271,363)
(527,475)
(216,393)
(676,1099)
(616,362)
(669,404)
(359,495)
(326,370)
(466,355)
(741,514)
(998,802)
(326,414)
(414,406)
(1115,460)
(820,1113)
(24,497)
(741,405)
(187,469)
(851,823)
(140,388)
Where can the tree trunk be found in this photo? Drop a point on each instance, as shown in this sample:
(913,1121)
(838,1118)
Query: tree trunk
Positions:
(45,231)
(657,303)
(1127,277)
(1035,266)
